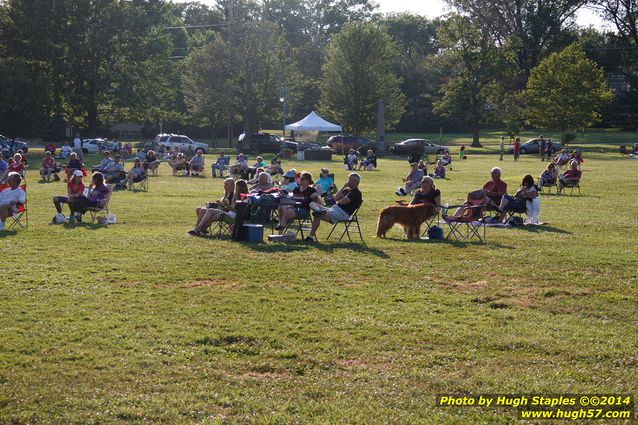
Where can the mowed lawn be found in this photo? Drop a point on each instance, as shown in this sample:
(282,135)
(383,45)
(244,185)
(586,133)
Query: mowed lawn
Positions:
(138,322)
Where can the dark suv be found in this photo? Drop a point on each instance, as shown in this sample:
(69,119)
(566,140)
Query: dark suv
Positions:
(259,143)
(341,144)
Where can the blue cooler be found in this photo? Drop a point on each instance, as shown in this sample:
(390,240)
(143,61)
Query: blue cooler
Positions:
(252,233)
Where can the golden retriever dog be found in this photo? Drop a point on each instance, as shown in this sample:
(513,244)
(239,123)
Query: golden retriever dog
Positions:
(411,217)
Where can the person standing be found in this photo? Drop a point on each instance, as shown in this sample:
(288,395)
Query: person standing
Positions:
(542,147)
(77,146)
(502,147)
(517,148)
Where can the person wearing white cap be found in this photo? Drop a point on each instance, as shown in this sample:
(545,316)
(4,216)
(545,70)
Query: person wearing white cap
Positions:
(11,197)
(74,189)
(289,181)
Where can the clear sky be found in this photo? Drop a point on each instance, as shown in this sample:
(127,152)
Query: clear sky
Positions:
(433,8)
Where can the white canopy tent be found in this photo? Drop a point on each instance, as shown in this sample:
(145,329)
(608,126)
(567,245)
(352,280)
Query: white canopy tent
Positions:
(313,122)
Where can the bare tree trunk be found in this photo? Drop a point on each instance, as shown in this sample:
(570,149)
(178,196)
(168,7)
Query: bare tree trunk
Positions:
(475,136)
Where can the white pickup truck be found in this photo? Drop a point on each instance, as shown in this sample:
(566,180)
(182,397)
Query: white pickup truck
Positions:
(181,141)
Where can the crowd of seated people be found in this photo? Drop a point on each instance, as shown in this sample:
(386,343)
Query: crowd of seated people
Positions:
(351,159)
(240,167)
(179,164)
(114,172)
(549,176)
(257,167)
(264,183)
(289,182)
(369,162)
(569,178)
(49,168)
(526,192)
(220,165)
(348,200)
(15,164)
(305,193)
(74,189)
(73,165)
(103,165)
(11,198)
(562,158)
(439,170)
(135,174)
(79,202)
(427,193)
(326,183)
(151,162)
(222,209)
(412,180)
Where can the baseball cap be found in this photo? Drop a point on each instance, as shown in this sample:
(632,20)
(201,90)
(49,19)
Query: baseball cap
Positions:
(78,173)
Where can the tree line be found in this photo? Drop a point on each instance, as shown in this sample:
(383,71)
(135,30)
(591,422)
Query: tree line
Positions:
(214,68)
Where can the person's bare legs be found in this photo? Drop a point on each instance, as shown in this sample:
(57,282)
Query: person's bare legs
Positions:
(316,221)
(286,213)
(211,215)
(200,211)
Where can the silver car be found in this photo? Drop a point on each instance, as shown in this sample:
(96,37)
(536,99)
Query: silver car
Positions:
(533,146)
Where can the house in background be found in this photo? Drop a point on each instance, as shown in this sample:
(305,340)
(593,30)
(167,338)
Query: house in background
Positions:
(127,129)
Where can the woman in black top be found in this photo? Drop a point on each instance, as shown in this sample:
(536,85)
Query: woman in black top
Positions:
(305,194)
(74,164)
(427,193)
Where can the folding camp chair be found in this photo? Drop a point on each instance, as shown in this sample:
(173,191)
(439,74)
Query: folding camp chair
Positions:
(549,186)
(352,221)
(301,223)
(103,208)
(21,211)
(571,184)
(222,227)
(469,224)
(432,221)
(142,185)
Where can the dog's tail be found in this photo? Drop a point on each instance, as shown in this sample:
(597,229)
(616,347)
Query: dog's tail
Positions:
(383,224)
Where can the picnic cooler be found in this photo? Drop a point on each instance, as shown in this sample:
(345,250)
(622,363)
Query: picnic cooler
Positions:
(252,233)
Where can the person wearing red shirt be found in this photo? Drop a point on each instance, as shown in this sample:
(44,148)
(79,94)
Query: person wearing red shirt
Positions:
(517,148)
(495,188)
(50,148)
(74,189)
(49,167)
(14,165)
(569,178)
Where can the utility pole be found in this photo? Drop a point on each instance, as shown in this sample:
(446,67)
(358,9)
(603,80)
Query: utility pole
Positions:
(380,126)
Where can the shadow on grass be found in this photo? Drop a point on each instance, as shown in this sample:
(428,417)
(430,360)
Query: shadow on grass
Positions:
(325,246)
(544,229)
(452,242)
(6,233)
(89,226)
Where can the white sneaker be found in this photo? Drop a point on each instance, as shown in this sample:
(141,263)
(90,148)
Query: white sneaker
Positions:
(399,191)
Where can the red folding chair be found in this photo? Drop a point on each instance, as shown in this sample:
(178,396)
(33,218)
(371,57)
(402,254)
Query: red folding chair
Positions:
(21,211)
(469,224)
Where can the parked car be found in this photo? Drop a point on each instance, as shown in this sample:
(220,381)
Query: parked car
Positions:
(93,145)
(412,146)
(259,143)
(533,146)
(181,141)
(339,144)
(9,147)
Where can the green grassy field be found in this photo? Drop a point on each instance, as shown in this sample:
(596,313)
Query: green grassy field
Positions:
(137,322)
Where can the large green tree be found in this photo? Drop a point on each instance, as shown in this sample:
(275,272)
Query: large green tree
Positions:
(474,64)
(528,29)
(356,74)
(416,40)
(238,78)
(105,58)
(566,91)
